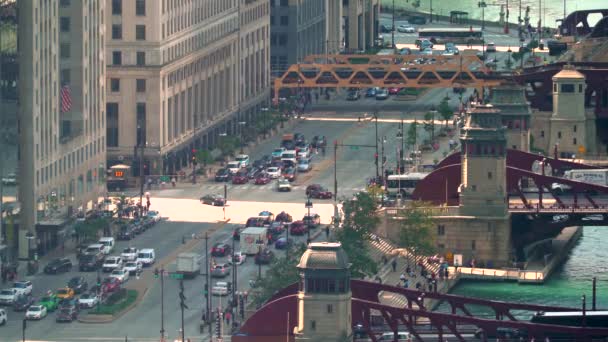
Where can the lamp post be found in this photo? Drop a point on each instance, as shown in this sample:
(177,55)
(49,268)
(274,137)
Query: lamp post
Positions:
(161,273)
(234,274)
(308,205)
(376,156)
(431,10)
(521,52)
(482,4)
(393,29)
(584,299)
(506,30)
(242,124)
(264,120)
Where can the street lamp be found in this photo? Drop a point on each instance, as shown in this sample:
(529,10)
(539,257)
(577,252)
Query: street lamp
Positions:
(308,205)
(242,123)
(482,4)
(161,273)
(265,116)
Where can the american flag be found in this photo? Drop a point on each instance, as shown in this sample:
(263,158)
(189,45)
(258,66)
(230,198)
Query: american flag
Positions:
(66,99)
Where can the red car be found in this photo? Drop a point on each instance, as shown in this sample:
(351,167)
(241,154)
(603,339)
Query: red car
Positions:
(240,178)
(298,228)
(290,174)
(394,90)
(262,179)
(318,191)
(110,285)
(221,249)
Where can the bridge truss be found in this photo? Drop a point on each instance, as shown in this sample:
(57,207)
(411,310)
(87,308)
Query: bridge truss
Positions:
(407,71)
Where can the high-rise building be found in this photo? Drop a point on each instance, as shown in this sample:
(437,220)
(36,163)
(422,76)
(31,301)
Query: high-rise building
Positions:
(361,21)
(61,116)
(174,79)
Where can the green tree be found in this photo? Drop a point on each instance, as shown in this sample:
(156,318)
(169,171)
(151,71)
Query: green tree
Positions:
(88,230)
(228,144)
(204,157)
(417,229)
(445,110)
(429,124)
(412,133)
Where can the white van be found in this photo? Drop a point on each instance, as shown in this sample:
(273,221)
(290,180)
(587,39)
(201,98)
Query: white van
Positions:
(94,249)
(108,244)
(146,256)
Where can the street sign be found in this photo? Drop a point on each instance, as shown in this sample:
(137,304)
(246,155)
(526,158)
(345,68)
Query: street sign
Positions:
(354,148)
(176,276)
(165,179)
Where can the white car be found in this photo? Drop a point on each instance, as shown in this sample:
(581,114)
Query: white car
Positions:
(8,296)
(427,52)
(239,258)
(10,179)
(23,287)
(112,263)
(243,159)
(290,155)
(129,253)
(304,152)
(491,47)
(36,312)
(220,289)
(133,267)
(283,185)
(3,317)
(88,300)
(304,165)
(121,274)
(389,336)
(406,29)
(233,166)
(274,172)
(155,215)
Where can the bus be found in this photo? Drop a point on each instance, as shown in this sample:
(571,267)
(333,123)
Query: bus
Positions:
(592,319)
(404,184)
(451,35)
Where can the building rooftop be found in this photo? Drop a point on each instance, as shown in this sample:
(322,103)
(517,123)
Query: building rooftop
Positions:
(569,72)
(324,255)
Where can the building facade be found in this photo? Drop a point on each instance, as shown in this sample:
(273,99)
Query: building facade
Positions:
(174,78)
(298,28)
(361,21)
(61,116)
(516,114)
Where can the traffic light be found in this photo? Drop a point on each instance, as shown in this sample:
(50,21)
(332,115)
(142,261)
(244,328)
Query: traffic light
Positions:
(229,286)
(218,324)
(206,291)
(241,306)
(156,274)
(376,158)
(194,160)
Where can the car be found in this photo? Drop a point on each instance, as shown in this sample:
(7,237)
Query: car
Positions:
(154,215)
(121,274)
(278,152)
(58,265)
(268,216)
(79,284)
(220,271)
(298,228)
(447,53)
(283,243)
(222,175)
(233,166)
(111,263)
(273,172)
(255,221)
(318,191)
(64,293)
(426,52)
(23,287)
(304,152)
(390,336)
(240,177)
(243,159)
(283,217)
(220,289)
(313,221)
(283,185)
(386,28)
(405,51)
(36,312)
(23,302)
(262,179)
(424,43)
(71,303)
(239,257)
(110,284)
(394,90)
(290,174)
(129,254)
(66,315)
(299,137)
(290,156)
(213,199)
(50,302)
(8,296)
(382,94)
(221,249)
(491,47)
(10,179)
(406,29)
(88,300)
(126,233)
(253,172)
(89,262)
(353,95)
(449,45)
(133,267)
(304,165)
(264,257)
(276,228)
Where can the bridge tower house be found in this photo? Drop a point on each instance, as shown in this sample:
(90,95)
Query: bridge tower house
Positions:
(324,296)
(568,122)
(515,111)
(485,222)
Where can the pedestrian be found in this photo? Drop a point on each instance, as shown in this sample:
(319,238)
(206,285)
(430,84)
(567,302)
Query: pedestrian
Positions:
(406,283)
(394,265)
(402,277)
(418,285)
(3,275)
(447,273)
(228,316)
(408,269)
(327,232)
(245,296)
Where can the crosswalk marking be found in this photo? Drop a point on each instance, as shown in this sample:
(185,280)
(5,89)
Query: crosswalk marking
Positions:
(256,187)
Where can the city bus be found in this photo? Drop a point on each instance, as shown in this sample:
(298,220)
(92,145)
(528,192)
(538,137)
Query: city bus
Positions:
(404,184)
(451,35)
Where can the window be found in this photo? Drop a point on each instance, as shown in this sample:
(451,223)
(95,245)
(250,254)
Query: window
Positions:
(140,85)
(116,31)
(115,84)
(573,141)
(440,229)
(567,88)
(330,308)
(141,123)
(284,20)
(140,7)
(282,39)
(65,76)
(140,32)
(574,128)
(313,325)
(440,246)
(116,7)
(272,20)
(64,50)
(284,3)
(116,58)
(472,244)
(64,3)
(64,24)
(141,58)
(580,88)
(542,134)
(555,87)
(489,175)
(112,124)
(559,135)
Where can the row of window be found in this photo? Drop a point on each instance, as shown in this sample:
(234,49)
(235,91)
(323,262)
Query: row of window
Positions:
(140,32)
(196,12)
(140,7)
(320,285)
(254,14)
(486,149)
(198,65)
(279,39)
(69,161)
(140,58)
(282,3)
(112,123)
(284,20)
(140,85)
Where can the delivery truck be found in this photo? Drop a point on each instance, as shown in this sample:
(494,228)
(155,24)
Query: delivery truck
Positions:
(592,176)
(253,238)
(188,264)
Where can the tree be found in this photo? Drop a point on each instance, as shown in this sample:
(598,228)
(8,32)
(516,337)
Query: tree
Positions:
(204,157)
(88,230)
(412,133)
(417,229)
(445,111)
(228,144)
(429,124)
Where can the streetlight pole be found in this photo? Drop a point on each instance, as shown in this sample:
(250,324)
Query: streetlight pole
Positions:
(393,29)
(482,5)
(234,274)
(265,111)
(241,125)
(506,30)
(382,158)
(376,157)
(431,11)
(207,284)
(308,205)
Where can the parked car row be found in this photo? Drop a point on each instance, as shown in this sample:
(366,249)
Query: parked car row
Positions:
(137,226)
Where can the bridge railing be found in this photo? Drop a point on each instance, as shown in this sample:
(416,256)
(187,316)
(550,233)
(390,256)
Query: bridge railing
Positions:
(474,272)
(433,211)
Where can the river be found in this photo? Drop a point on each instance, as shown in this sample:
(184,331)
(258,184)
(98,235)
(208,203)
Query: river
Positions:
(564,288)
(551,9)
